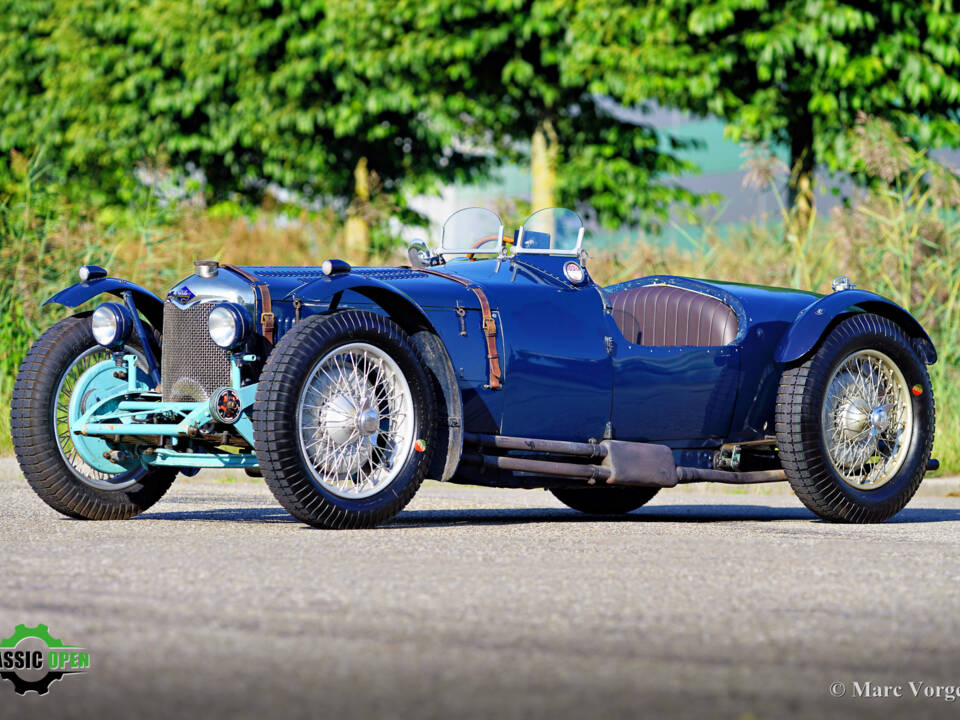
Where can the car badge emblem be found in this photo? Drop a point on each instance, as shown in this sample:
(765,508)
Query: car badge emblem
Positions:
(182,295)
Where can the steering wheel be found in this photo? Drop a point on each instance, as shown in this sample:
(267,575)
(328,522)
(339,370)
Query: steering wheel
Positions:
(484,240)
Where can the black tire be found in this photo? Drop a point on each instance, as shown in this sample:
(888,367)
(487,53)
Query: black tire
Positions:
(605,500)
(58,483)
(277,436)
(802,448)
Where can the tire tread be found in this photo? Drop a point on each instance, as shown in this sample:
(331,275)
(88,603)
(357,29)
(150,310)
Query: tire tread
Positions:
(275,439)
(36,448)
(798,427)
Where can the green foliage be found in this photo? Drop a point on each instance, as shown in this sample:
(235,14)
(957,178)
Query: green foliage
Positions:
(240,89)
(492,71)
(906,230)
(797,72)
(27,216)
(253,92)
(24,56)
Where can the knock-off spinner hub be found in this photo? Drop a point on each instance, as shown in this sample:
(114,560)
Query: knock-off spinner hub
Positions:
(880,419)
(368,421)
(338,419)
(855,420)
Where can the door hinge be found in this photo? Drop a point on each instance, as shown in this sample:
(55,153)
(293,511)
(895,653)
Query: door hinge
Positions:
(609,344)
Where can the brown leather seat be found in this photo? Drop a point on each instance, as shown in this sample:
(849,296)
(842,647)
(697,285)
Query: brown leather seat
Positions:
(665,315)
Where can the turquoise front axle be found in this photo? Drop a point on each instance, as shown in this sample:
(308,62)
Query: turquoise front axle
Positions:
(104,405)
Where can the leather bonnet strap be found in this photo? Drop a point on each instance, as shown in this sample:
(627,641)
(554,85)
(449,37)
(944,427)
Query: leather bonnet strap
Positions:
(489,323)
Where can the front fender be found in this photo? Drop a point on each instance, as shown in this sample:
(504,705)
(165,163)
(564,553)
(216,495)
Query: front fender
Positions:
(326,287)
(429,340)
(811,323)
(149,304)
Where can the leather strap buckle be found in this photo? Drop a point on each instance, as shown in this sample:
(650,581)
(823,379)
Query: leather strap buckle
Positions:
(267,320)
(488,324)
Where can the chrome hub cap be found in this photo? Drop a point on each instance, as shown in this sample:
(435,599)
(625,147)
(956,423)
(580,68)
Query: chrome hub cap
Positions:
(355,419)
(867,419)
(879,419)
(337,419)
(368,421)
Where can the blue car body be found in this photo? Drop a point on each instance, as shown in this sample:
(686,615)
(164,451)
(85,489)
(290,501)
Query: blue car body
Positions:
(567,370)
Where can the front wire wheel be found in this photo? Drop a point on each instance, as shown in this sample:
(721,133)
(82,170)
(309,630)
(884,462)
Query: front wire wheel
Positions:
(355,416)
(61,423)
(855,422)
(344,423)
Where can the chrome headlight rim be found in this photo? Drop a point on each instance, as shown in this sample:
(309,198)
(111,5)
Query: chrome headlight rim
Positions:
(229,325)
(110,325)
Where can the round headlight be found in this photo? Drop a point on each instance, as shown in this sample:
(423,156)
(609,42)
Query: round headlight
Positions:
(111,324)
(229,324)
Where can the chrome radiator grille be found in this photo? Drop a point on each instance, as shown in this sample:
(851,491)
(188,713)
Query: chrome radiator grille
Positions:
(192,366)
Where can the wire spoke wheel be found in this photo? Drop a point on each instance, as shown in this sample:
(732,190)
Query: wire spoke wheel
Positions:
(61,413)
(344,425)
(355,420)
(49,454)
(867,419)
(855,421)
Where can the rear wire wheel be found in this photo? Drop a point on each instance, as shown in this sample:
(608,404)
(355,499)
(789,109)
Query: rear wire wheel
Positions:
(855,422)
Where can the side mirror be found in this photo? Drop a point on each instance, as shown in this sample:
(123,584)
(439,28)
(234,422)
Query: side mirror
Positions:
(419,254)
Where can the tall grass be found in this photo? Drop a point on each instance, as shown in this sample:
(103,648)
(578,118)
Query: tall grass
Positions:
(901,238)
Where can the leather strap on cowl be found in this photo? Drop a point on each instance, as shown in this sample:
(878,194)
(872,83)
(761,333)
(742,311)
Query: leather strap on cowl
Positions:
(267,319)
(489,323)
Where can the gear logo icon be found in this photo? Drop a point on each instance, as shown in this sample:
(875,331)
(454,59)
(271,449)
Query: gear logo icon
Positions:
(32,659)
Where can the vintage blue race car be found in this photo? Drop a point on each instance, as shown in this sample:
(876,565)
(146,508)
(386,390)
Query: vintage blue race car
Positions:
(494,360)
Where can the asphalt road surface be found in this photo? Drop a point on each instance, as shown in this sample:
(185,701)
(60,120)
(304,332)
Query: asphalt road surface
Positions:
(486,603)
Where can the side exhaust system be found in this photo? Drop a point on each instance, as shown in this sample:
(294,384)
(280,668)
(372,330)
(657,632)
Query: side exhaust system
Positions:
(611,462)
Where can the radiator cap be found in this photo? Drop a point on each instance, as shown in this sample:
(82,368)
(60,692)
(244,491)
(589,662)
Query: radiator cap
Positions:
(207,268)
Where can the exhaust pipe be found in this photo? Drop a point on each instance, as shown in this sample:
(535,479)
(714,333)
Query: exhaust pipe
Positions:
(590,473)
(621,463)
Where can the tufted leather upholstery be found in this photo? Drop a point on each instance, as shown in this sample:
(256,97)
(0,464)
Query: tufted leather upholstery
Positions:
(665,315)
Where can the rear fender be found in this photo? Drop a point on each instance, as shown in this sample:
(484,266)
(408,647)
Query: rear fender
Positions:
(147,303)
(812,322)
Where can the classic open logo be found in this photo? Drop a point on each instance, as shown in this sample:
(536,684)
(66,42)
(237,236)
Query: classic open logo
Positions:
(32,658)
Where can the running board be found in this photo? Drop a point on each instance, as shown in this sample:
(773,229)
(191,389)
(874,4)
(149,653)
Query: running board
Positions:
(611,462)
